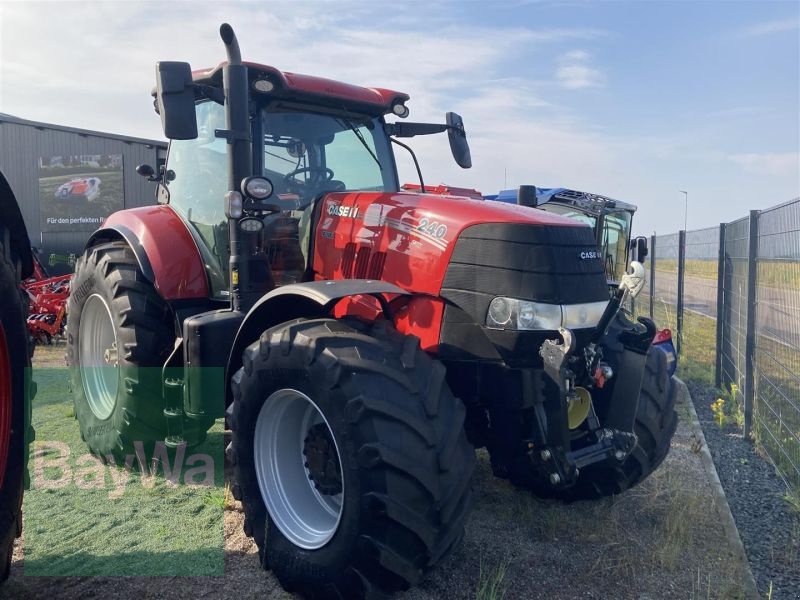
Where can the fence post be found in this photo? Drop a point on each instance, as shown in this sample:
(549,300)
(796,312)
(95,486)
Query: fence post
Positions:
(681,270)
(720,305)
(652,273)
(750,340)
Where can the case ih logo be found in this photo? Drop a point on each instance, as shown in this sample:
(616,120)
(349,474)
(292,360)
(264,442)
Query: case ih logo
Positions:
(590,255)
(337,210)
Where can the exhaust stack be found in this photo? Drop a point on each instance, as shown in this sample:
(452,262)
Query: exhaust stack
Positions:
(526,196)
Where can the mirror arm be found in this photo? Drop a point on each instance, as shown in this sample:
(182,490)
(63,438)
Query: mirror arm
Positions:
(210,92)
(406,130)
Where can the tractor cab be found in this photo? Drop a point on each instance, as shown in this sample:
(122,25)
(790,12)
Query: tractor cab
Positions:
(610,220)
(301,154)
(272,144)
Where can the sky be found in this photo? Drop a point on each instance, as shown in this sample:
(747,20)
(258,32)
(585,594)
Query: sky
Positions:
(631,100)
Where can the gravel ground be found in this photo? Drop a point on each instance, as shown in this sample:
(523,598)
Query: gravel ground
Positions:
(661,540)
(768,526)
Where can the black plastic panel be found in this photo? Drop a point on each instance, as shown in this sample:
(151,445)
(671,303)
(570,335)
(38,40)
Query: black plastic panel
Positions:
(557,265)
(208,338)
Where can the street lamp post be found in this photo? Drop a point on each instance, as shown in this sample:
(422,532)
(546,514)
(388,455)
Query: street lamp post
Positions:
(686,208)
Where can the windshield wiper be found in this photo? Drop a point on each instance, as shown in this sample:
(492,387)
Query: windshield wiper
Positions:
(361,139)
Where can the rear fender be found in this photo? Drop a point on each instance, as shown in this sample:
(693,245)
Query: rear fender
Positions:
(312,299)
(165,249)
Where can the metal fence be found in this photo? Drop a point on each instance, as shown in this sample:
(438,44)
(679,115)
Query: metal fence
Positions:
(731,295)
(663,275)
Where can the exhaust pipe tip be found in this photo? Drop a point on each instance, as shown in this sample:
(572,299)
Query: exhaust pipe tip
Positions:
(231,44)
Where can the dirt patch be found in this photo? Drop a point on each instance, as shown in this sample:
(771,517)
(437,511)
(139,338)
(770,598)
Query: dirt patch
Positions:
(662,539)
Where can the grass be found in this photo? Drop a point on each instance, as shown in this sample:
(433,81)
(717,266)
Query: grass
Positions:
(776,418)
(679,519)
(89,519)
(492,580)
(659,530)
(771,273)
(698,350)
(793,500)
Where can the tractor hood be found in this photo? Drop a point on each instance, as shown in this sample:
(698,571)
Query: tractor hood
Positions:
(408,238)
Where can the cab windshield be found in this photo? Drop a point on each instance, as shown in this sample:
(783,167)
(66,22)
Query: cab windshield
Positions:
(306,154)
(570,212)
(614,242)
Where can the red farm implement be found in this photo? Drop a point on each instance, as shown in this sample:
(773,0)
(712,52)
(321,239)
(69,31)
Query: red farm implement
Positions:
(48,304)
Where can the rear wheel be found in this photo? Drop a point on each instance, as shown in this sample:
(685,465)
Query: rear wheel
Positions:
(351,459)
(14,385)
(119,335)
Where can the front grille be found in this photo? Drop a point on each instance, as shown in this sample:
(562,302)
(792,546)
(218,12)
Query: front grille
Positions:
(544,263)
(361,263)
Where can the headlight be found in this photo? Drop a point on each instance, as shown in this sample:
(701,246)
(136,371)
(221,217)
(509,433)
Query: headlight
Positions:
(500,312)
(251,225)
(579,316)
(257,188)
(515,314)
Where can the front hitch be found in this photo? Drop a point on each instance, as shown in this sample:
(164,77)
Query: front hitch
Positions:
(614,438)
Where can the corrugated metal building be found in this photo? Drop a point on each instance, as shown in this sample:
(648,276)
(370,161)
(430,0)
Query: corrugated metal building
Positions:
(67,180)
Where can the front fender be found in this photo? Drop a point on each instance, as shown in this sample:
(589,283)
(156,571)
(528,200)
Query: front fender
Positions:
(312,299)
(165,249)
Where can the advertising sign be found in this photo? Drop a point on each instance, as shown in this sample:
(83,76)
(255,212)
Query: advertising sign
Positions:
(78,192)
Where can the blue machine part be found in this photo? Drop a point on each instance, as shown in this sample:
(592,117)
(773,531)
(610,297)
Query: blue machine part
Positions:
(672,357)
(510,196)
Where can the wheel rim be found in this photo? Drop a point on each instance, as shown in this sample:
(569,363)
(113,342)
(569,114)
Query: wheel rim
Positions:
(6,392)
(99,360)
(299,469)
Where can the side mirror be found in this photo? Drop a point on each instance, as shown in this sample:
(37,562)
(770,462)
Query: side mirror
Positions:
(175,97)
(639,247)
(148,172)
(458,140)
(145,170)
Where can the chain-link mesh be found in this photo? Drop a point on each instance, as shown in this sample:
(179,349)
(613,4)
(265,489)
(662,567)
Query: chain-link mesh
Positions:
(734,312)
(777,351)
(708,345)
(700,298)
(665,272)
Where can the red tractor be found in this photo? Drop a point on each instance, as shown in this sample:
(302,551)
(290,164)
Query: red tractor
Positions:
(361,341)
(16,264)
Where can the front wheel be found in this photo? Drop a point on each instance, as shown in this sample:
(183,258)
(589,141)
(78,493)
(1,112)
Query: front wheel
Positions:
(351,459)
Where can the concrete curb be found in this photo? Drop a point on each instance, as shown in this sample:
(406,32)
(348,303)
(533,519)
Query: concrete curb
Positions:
(728,524)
